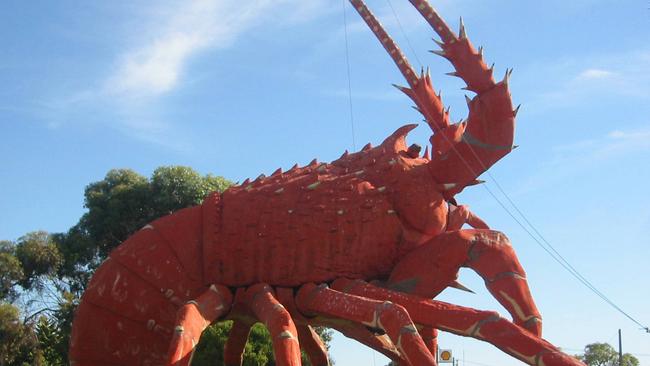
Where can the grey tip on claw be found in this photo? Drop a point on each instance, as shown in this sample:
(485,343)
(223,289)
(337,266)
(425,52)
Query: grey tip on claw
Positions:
(439,53)
(461,32)
(461,287)
(506,77)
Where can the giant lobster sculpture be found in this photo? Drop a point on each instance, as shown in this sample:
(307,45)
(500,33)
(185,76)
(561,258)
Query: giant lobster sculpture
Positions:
(361,244)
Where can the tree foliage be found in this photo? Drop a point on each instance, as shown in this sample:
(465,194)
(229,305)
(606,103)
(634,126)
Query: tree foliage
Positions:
(11,272)
(603,354)
(258,351)
(18,342)
(62,264)
(39,258)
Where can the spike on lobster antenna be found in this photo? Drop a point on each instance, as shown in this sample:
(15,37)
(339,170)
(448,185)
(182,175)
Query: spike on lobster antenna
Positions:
(460,286)
(453,73)
(476,182)
(403,89)
(426,153)
(345,154)
(514,146)
(366,147)
(480,51)
(246,182)
(439,53)
(506,77)
(313,162)
(294,167)
(516,111)
(440,44)
(277,172)
(461,32)
(468,100)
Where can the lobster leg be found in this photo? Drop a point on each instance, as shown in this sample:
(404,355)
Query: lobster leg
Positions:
(192,319)
(485,325)
(429,269)
(243,320)
(385,316)
(380,343)
(309,340)
(237,338)
(430,337)
(314,348)
(461,215)
(277,319)
(316,352)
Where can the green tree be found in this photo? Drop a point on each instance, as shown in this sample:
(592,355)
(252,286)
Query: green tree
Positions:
(18,341)
(117,206)
(258,351)
(25,268)
(603,354)
(11,272)
(39,258)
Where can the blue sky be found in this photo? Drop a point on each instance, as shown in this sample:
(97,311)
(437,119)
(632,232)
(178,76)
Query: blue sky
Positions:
(239,90)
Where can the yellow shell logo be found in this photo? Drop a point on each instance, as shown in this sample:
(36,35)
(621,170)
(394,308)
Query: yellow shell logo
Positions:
(445,355)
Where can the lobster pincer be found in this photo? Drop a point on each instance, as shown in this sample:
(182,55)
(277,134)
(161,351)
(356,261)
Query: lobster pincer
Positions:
(361,244)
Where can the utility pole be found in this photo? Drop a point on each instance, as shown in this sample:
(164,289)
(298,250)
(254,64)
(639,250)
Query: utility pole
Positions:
(620,349)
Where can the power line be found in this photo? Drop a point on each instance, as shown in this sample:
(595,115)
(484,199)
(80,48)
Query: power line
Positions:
(408,42)
(347,61)
(543,243)
(551,249)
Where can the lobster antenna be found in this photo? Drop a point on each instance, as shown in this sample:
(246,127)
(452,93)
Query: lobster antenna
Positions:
(389,45)
(436,22)
(421,90)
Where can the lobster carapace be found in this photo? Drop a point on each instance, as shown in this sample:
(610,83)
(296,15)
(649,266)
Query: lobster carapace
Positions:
(360,244)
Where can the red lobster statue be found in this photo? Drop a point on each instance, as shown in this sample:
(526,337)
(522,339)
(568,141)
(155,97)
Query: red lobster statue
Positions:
(361,244)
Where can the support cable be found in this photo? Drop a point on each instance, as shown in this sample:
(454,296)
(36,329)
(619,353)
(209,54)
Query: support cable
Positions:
(347,61)
(408,42)
(540,240)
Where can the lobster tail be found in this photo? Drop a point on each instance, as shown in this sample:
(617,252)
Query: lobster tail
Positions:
(127,313)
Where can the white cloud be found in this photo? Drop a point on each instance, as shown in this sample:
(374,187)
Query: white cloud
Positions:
(594,74)
(156,65)
(570,160)
(574,81)
(156,59)
(610,145)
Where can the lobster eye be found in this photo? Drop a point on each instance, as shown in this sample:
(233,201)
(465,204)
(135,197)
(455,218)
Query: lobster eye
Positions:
(414,151)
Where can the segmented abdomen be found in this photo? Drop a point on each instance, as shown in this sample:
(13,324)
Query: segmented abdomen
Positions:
(283,232)
(310,228)
(127,313)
